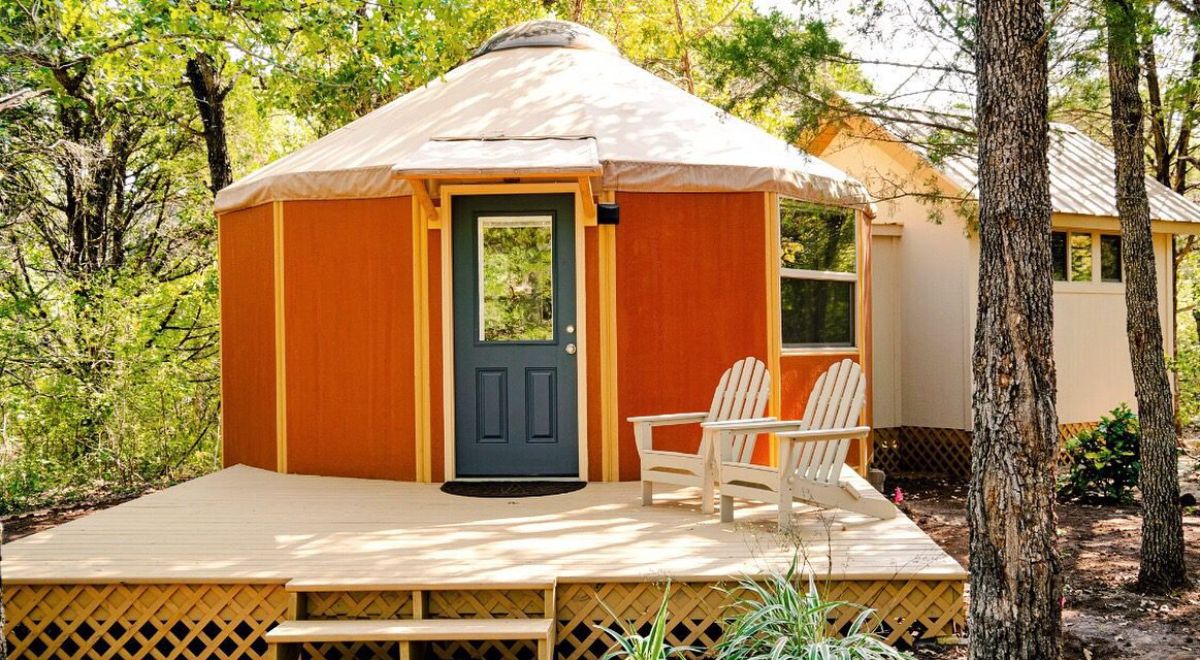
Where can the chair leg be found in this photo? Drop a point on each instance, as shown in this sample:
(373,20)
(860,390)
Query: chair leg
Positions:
(647,493)
(706,496)
(726,509)
(785,509)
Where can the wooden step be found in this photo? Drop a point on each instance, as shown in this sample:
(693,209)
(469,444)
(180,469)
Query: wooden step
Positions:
(284,637)
(345,583)
(410,630)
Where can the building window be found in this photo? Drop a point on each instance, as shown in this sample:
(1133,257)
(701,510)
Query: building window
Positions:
(1110,258)
(819,268)
(1075,255)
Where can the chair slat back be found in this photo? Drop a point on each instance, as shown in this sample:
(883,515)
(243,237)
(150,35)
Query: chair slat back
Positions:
(742,393)
(835,402)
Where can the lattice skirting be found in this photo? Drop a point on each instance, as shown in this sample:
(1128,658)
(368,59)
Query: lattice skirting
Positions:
(228,621)
(937,451)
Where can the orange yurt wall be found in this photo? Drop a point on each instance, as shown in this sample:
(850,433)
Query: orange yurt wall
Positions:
(247,269)
(691,299)
(348,314)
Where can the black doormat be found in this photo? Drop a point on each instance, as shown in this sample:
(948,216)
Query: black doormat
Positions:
(511,488)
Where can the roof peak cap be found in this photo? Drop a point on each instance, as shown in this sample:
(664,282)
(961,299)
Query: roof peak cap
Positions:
(546,33)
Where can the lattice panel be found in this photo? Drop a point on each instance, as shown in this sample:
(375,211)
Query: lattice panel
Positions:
(141,620)
(359,604)
(946,452)
(917,449)
(228,621)
(696,611)
(906,610)
(498,604)
(486,604)
(886,454)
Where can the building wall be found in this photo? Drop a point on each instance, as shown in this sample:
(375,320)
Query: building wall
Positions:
(247,269)
(1091,348)
(348,314)
(926,284)
(922,280)
(887,331)
(691,300)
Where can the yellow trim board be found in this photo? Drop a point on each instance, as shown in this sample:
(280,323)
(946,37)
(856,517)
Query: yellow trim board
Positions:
(774,313)
(609,414)
(423,467)
(221,341)
(280,344)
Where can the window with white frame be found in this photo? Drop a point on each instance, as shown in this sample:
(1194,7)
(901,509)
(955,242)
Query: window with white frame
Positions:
(1085,256)
(819,275)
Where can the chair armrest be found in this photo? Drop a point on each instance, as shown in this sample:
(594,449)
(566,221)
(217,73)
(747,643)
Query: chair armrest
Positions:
(665,420)
(643,426)
(850,433)
(756,425)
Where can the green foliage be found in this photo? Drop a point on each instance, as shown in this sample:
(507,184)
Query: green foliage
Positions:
(518,286)
(108,304)
(1186,363)
(777,619)
(652,645)
(1103,463)
(817,237)
(774,64)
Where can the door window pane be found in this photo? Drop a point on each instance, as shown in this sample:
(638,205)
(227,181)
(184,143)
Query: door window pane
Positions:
(816,237)
(516,278)
(1058,255)
(1081,257)
(818,312)
(1110,258)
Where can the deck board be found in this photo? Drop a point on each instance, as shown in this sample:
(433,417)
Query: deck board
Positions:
(248,525)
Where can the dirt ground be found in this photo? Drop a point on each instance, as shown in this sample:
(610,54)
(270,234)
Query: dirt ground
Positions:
(1102,618)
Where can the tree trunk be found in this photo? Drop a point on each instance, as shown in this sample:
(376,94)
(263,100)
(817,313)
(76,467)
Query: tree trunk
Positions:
(1015,583)
(205,81)
(1162,567)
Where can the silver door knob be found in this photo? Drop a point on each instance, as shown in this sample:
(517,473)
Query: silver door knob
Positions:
(571,349)
(570,329)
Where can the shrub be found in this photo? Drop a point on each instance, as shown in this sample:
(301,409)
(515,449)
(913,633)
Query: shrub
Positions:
(777,619)
(1102,464)
(631,644)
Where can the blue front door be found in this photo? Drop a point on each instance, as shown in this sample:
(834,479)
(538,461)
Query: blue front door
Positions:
(514,336)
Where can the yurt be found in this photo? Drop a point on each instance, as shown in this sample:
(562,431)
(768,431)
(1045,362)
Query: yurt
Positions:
(487,276)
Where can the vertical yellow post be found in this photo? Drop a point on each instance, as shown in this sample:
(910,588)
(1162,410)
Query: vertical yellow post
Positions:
(280,345)
(423,466)
(610,450)
(774,313)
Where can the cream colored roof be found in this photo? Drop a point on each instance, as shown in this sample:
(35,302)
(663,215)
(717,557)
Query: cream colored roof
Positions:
(533,108)
(1081,169)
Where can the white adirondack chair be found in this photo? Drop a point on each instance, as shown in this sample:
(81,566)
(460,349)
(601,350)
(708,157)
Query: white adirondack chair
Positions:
(741,396)
(812,453)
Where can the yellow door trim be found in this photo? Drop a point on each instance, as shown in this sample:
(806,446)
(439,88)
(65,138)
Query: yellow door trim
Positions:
(447,194)
(281,450)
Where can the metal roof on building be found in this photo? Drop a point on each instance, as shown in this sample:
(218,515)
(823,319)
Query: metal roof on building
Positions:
(1081,169)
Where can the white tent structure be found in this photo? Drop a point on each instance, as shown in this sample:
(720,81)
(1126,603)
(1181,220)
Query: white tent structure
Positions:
(542,97)
(355,272)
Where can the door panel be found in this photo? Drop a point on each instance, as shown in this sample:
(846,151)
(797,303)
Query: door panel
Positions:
(514,319)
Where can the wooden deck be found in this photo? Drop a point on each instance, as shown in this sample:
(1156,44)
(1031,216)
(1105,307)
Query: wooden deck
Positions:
(249,525)
(221,548)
